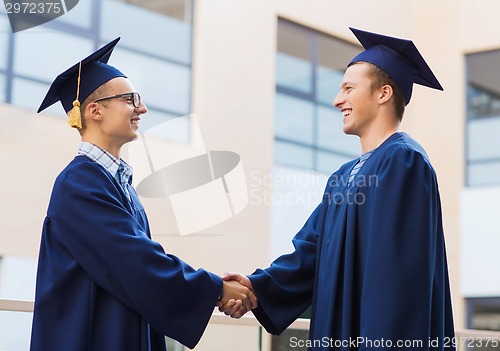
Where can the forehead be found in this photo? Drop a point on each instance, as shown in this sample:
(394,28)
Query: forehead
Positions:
(119,85)
(356,72)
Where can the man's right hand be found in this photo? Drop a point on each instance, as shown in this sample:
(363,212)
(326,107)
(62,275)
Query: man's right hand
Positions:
(237,295)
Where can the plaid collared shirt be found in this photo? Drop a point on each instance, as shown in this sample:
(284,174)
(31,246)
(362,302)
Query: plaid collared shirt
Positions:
(119,169)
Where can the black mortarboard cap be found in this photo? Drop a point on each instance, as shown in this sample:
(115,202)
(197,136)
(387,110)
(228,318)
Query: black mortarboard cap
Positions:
(79,81)
(399,58)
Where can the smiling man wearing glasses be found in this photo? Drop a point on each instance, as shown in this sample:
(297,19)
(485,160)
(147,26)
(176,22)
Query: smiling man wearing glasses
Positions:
(102,283)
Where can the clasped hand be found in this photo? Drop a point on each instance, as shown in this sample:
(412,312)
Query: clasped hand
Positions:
(237,295)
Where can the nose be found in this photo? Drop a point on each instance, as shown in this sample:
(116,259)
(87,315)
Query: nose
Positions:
(142,108)
(339,100)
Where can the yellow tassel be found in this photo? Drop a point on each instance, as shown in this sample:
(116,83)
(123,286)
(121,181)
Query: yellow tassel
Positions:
(75,116)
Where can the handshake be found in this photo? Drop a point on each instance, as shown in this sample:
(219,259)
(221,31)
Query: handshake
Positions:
(237,297)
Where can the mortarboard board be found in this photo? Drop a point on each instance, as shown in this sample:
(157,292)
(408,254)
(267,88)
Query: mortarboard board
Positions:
(399,58)
(79,81)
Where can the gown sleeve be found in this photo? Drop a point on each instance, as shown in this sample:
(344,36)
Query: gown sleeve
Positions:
(285,289)
(88,218)
(405,293)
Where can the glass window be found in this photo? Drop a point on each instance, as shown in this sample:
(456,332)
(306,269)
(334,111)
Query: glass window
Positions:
(293,66)
(162,84)
(167,33)
(484,173)
(156,57)
(483,118)
(293,119)
(483,141)
(327,84)
(293,155)
(483,313)
(4,40)
(16,330)
(330,133)
(38,42)
(328,162)
(80,15)
(2,88)
(29,94)
(309,70)
(293,72)
(333,55)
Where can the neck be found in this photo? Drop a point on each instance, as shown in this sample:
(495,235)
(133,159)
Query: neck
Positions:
(112,149)
(376,136)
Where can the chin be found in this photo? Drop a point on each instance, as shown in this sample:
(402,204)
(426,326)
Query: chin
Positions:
(347,131)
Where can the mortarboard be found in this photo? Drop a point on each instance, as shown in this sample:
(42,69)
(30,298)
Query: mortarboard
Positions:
(79,81)
(399,58)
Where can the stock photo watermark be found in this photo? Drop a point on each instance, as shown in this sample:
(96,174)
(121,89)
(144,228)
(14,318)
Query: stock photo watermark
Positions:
(307,189)
(24,14)
(415,344)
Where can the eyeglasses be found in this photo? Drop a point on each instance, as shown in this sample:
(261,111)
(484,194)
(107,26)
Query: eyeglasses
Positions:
(135,97)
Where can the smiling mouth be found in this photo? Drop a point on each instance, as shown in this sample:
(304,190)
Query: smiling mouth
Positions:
(135,121)
(346,113)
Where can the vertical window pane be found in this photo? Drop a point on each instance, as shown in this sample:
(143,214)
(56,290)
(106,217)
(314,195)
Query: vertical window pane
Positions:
(148,31)
(483,141)
(293,66)
(293,155)
(333,57)
(331,135)
(29,94)
(4,40)
(294,119)
(328,162)
(178,9)
(51,51)
(310,68)
(3,91)
(484,314)
(327,84)
(16,330)
(162,85)
(483,120)
(293,72)
(79,16)
(483,98)
(484,173)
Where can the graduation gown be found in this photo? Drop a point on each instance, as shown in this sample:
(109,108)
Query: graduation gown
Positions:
(370,259)
(102,283)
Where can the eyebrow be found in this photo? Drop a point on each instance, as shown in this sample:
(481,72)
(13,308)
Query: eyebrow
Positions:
(344,84)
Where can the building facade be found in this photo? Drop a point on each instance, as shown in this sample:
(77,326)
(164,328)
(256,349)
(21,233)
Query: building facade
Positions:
(260,76)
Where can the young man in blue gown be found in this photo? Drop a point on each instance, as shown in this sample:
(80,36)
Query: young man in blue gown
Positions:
(371,258)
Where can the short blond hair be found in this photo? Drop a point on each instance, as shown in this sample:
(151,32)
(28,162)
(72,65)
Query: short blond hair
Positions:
(101,91)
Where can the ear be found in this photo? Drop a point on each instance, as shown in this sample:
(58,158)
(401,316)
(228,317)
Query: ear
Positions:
(385,93)
(93,112)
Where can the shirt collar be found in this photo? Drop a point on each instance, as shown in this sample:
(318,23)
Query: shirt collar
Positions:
(106,160)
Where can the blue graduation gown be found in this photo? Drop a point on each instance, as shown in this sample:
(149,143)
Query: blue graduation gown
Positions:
(370,259)
(102,283)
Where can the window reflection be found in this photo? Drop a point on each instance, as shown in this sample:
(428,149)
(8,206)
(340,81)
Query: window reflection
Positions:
(484,313)
(164,36)
(309,70)
(4,40)
(2,87)
(293,66)
(156,57)
(293,119)
(178,9)
(483,118)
